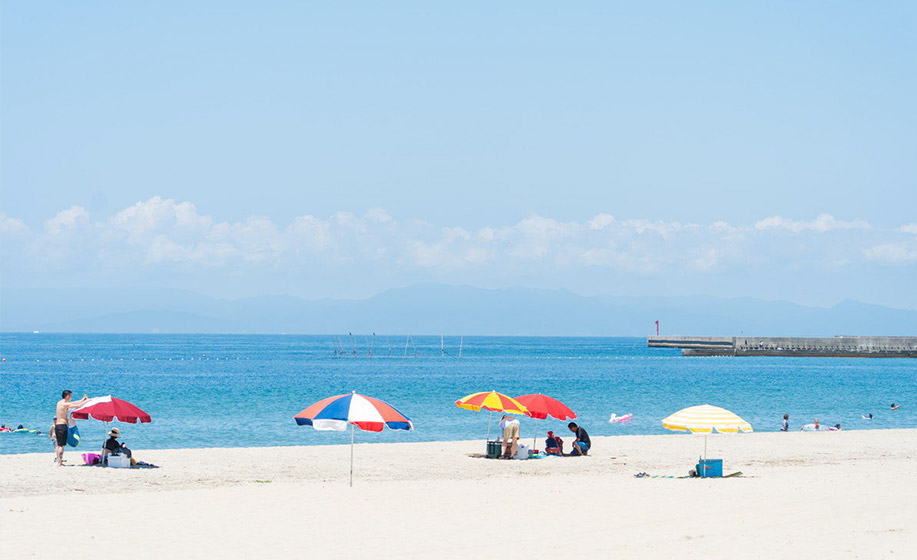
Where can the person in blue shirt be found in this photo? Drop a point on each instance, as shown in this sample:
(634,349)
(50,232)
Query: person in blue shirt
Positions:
(553,445)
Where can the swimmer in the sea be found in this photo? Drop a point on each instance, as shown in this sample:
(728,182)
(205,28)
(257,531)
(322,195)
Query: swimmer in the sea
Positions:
(895,406)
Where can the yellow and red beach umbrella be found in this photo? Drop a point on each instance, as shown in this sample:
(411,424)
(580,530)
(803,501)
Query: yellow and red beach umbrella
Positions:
(491,401)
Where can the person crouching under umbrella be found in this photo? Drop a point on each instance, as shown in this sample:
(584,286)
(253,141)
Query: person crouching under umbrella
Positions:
(114,447)
(553,445)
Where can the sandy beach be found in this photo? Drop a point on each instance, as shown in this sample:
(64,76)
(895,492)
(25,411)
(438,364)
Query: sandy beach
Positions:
(812,495)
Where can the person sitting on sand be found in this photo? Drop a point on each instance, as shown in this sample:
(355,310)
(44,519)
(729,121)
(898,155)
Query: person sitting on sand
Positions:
(582,443)
(785,424)
(836,428)
(895,406)
(815,423)
(553,445)
(113,446)
(509,427)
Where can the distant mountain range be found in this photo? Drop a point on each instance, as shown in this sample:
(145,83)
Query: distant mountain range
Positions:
(439,309)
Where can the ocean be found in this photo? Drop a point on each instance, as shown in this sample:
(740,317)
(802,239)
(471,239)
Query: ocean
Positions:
(243,390)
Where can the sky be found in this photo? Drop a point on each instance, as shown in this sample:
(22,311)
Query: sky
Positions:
(341,149)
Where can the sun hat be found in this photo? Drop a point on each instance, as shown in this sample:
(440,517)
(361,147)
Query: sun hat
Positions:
(114,433)
(550,434)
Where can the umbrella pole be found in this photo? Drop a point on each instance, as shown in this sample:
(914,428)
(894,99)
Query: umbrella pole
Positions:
(490,418)
(535,435)
(103,442)
(351,455)
(705,447)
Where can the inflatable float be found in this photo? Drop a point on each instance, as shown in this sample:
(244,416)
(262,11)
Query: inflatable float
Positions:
(73,435)
(616,418)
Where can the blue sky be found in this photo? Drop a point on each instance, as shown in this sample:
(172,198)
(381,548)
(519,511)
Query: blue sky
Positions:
(339,149)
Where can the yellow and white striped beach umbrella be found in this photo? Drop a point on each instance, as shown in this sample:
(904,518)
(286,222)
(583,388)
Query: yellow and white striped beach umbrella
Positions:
(704,419)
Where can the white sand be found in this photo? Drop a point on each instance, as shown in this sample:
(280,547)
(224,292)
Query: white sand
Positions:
(803,495)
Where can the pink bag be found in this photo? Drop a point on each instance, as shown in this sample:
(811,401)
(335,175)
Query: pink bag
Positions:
(91,458)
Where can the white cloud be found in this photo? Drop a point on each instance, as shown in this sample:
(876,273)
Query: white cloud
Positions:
(658,227)
(723,228)
(158,215)
(13,227)
(535,236)
(704,261)
(451,234)
(164,232)
(822,223)
(893,253)
(377,215)
(255,239)
(309,233)
(65,220)
(601,221)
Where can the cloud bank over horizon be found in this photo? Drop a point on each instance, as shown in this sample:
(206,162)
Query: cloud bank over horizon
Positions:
(166,241)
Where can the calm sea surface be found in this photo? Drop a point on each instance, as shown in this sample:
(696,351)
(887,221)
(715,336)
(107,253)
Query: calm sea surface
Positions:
(242,391)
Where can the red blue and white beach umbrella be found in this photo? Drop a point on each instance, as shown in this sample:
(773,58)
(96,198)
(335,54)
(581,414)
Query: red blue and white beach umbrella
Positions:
(366,413)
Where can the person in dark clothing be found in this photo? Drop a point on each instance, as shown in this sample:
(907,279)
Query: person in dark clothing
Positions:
(553,445)
(113,446)
(582,443)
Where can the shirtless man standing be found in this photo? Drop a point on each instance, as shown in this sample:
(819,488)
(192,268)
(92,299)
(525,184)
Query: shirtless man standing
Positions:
(61,415)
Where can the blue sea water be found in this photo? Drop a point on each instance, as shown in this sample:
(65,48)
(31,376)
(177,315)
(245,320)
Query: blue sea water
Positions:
(243,390)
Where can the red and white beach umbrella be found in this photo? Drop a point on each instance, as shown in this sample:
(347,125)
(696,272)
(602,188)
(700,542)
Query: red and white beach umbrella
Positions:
(109,408)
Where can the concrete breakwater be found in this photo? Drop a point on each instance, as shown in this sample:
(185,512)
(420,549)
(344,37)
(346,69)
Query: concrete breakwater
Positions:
(835,347)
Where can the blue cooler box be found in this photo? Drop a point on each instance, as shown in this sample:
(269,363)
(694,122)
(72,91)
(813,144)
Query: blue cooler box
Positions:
(710,468)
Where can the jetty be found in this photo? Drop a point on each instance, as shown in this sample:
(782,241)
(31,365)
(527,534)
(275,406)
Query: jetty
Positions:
(834,347)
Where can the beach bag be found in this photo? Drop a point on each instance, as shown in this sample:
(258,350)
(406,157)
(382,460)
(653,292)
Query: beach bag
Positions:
(91,458)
